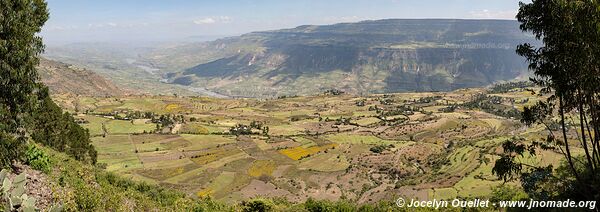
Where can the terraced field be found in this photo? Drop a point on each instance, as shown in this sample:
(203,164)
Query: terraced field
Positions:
(300,152)
(323,147)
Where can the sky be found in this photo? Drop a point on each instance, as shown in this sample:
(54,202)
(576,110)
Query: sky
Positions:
(148,21)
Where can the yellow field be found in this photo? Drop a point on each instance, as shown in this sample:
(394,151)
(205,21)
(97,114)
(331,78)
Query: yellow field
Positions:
(214,156)
(172,107)
(299,152)
(261,167)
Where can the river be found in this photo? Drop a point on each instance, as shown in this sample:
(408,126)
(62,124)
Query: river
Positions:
(156,72)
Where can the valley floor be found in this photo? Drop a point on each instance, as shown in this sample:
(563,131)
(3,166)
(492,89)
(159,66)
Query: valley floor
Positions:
(365,149)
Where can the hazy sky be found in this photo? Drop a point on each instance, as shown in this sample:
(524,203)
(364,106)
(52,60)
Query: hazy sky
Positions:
(178,20)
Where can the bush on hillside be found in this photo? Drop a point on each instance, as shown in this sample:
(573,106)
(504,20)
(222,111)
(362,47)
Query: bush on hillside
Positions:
(37,159)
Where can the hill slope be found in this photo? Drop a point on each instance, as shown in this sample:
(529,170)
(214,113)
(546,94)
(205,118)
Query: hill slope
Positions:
(364,57)
(71,185)
(64,78)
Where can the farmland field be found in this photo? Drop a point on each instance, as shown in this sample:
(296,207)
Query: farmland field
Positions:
(319,146)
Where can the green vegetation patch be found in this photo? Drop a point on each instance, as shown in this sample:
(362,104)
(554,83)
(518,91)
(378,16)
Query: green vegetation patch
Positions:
(94,124)
(128,127)
(117,151)
(462,161)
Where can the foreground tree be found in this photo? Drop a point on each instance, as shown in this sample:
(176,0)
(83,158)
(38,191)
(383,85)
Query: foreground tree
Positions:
(26,109)
(20,47)
(567,68)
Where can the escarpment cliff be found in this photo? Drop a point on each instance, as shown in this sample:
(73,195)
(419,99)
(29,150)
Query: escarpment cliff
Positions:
(365,57)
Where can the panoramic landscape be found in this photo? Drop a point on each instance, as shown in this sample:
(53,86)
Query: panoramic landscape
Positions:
(485,111)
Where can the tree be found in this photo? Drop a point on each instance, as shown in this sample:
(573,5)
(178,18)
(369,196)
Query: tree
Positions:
(567,68)
(53,128)
(19,50)
(26,109)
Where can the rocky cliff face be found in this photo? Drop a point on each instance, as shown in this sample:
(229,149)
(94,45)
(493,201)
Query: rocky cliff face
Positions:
(365,57)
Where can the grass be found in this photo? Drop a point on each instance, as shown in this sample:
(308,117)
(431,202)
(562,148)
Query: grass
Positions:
(149,146)
(305,142)
(121,163)
(462,161)
(479,182)
(470,187)
(127,127)
(367,121)
(118,152)
(285,130)
(113,144)
(94,124)
(493,142)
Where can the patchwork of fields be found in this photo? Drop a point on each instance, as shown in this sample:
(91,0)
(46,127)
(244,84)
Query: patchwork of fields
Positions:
(325,147)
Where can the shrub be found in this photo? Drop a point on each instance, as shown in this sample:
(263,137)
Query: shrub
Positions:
(86,197)
(313,205)
(316,205)
(37,159)
(380,148)
(258,205)
(265,178)
(10,148)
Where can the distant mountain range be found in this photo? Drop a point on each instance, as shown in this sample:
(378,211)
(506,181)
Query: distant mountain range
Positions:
(365,57)
(394,55)
(63,78)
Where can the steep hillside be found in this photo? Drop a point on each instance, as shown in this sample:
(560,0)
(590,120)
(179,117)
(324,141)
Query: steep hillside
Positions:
(64,78)
(365,57)
(70,185)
